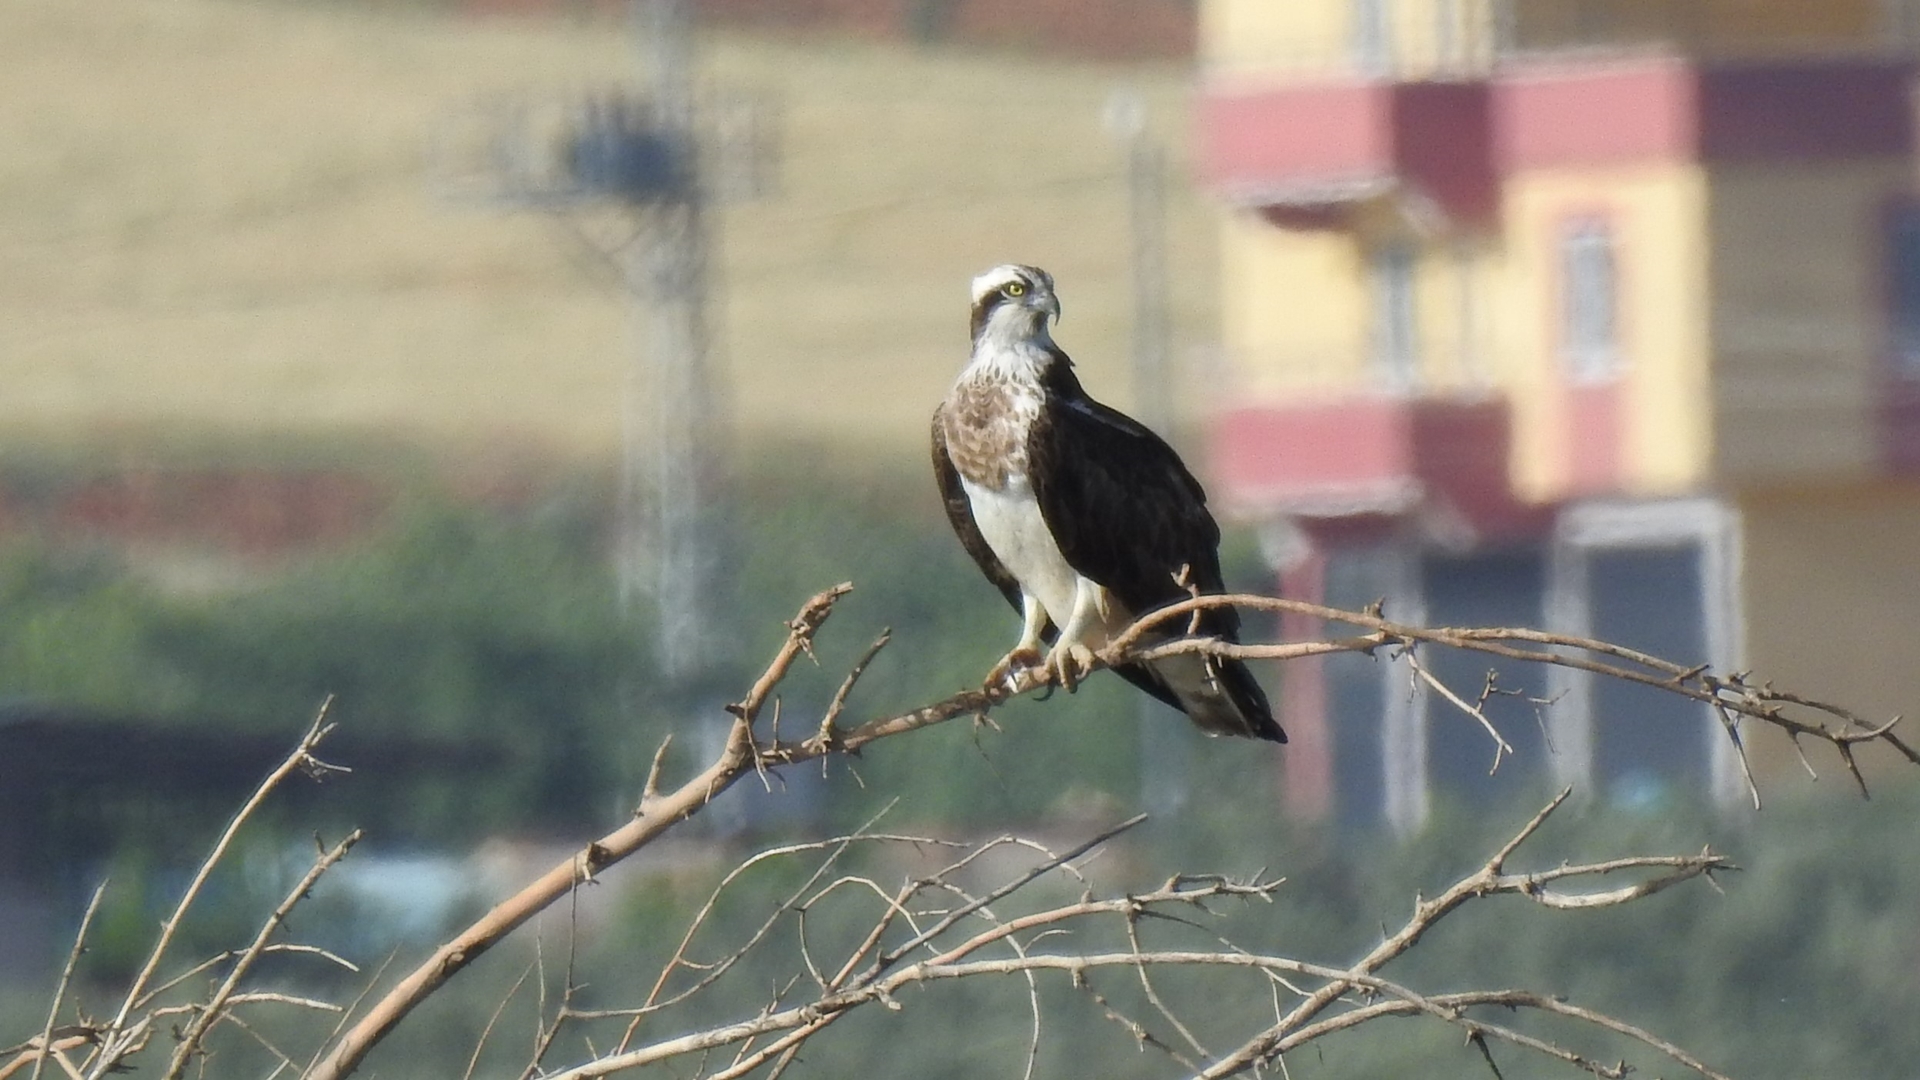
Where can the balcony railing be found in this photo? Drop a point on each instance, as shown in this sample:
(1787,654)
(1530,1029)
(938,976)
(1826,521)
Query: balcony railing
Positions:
(1306,373)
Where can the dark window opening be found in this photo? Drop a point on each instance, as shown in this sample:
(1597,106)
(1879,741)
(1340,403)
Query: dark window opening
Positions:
(1903,272)
(1649,747)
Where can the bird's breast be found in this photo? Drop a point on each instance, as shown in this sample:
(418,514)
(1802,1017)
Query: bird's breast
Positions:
(987,424)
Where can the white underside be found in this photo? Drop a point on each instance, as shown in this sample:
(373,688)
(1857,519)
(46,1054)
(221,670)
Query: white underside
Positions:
(1011,523)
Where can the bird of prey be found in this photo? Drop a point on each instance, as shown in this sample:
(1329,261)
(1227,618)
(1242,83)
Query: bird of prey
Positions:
(1081,516)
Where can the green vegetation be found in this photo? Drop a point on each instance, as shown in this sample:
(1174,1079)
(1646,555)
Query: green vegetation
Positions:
(487,685)
(1800,967)
(497,640)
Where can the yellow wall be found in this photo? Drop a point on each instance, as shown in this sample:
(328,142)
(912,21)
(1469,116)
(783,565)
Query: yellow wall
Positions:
(1830,596)
(1657,214)
(1749,307)
(1798,320)
(1424,37)
(1252,36)
(1293,309)
(1298,308)
(1456,307)
(1435,37)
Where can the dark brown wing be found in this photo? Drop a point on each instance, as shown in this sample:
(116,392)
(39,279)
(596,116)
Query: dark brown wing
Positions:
(960,516)
(1121,504)
(1129,515)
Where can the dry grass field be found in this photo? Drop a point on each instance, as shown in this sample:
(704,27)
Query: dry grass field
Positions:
(216,226)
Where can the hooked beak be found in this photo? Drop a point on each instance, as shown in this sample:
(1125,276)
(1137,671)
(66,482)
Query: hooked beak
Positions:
(1052,307)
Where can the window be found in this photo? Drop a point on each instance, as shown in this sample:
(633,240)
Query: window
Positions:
(1448,39)
(1660,576)
(1396,323)
(1372,37)
(1589,316)
(1903,272)
(1655,599)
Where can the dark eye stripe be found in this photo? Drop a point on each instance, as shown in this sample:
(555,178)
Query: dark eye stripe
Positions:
(985,308)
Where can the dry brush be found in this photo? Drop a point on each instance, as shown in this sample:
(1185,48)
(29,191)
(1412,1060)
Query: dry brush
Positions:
(946,925)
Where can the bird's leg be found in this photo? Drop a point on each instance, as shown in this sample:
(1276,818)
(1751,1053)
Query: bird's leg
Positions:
(1026,654)
(1071,657)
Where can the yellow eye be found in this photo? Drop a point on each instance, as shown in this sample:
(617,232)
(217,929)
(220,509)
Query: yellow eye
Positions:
(1015,289)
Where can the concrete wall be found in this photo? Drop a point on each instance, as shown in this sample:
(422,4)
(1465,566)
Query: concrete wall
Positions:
(1799,318)
(1721,27)
(1251,38)
(1830,598)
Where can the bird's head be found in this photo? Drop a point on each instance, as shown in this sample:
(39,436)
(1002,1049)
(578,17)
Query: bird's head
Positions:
(1013,303)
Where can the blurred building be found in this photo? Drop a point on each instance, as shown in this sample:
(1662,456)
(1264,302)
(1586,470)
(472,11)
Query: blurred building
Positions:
(1597,314)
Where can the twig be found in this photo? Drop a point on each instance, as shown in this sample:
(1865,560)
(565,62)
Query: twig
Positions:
(33,1051)
(873,966)
(650,791)
(216,1005)
(1501,747)
(1153,996)
(1132,1027)
(838,846)
(114,1041)
(736,757)
(1731,724)
(891,956)
(808,1018)
(1489,879)
(1697,683)
(45,1046)
(493,1020)
(828,737)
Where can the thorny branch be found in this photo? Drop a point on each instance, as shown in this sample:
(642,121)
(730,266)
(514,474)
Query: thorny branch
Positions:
(216,1006)
(108,1045)
(913,941)
(1333,998)
(746,750)
(1732,694)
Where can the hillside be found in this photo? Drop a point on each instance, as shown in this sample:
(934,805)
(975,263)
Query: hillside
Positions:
(215,225)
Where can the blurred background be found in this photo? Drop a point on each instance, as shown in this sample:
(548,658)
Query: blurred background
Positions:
(510,369)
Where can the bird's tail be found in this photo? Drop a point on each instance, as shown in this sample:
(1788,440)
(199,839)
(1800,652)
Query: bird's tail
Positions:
(1220,695)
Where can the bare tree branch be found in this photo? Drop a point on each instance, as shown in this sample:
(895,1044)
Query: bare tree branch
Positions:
(216,1005)
(120,1038)
(1326,1009)
(1839,727)
(39,1050)
(939,927)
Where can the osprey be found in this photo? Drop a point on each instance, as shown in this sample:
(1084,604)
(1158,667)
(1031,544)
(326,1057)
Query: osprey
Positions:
(1083,517)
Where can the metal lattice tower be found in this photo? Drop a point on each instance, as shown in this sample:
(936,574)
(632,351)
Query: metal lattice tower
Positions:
(669,536)
(655,158)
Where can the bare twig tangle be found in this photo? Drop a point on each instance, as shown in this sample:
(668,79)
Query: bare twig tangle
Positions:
(938,928)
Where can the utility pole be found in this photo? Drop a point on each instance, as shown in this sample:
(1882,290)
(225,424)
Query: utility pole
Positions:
(655,157)
(1163,750)
(670,535)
